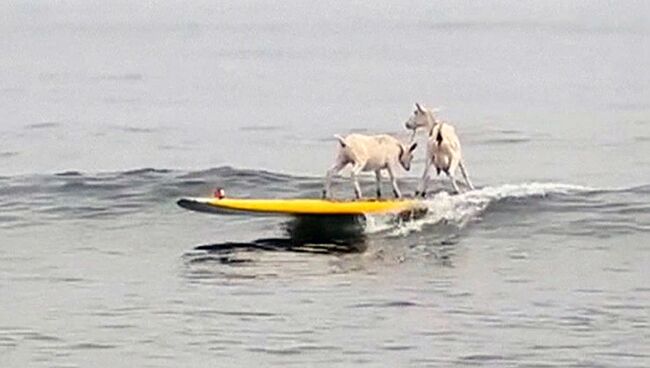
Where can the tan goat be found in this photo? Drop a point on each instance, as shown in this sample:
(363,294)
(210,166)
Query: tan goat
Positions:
(370,153)
(443,147)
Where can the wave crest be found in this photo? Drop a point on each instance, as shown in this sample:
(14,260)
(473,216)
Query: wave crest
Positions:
(459,210)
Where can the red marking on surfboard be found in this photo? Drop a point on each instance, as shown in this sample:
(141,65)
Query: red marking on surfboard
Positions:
(219,193)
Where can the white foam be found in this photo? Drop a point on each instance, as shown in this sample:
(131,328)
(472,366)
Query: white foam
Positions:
(462,208)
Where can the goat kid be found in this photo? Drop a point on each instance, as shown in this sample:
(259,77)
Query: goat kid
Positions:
(370,153)
(443,148)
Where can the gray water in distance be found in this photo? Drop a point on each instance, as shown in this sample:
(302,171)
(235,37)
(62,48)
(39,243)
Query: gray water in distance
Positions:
(109,112)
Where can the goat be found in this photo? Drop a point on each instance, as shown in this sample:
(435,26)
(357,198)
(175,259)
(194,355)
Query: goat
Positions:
(370,153)
(443,147)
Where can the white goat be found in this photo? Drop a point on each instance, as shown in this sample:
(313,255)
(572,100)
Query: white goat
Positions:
(443,147)
(370,153)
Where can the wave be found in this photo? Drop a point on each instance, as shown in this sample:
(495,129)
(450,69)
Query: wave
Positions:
(29,200)
(33,200)
(459,210)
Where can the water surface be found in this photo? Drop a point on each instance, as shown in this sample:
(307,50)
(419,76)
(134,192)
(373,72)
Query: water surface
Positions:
(111,112)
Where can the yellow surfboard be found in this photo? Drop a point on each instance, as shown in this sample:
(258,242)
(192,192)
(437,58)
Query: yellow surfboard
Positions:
(300,206)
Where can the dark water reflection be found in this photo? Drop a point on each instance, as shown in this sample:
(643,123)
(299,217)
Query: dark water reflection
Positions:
(305,234)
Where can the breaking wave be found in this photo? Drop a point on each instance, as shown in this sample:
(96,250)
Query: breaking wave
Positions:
(459,210)
(34,200)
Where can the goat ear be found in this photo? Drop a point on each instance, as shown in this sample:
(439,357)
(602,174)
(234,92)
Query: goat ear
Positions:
(412,148)
(341,140)
(417,105)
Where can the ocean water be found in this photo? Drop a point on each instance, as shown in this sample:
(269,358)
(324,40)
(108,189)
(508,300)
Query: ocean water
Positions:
(110,112)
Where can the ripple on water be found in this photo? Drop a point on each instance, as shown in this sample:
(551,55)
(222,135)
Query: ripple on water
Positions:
(43,125)
(8,154)
(92,346)
(11,336)
(261,128)
(385,304)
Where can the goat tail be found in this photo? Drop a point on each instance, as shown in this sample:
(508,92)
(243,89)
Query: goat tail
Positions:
(341,140)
